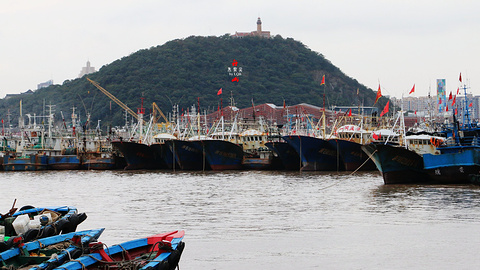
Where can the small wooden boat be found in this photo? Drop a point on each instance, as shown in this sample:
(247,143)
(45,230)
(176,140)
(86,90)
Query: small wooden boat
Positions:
(49,252)
(38,222)
(161,251)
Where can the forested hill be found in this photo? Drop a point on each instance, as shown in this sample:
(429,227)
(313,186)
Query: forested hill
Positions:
(190,71)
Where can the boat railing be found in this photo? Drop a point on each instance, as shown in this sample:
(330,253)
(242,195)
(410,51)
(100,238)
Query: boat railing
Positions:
(463,141)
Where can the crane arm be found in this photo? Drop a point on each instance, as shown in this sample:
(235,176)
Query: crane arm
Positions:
(112,97)
(155,109)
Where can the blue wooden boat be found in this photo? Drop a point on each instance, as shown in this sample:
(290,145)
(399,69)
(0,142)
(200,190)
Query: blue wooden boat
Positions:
(39,254)
(161,251)
(64,219)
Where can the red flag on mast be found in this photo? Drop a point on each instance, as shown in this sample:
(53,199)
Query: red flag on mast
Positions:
(323,80)
(350,112)
(450,97)
(379,94)
(219,92)
(460,78)
(454,100)
(413,89)
(385,110)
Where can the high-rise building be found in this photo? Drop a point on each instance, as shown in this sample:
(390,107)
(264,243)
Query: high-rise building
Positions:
(86,70)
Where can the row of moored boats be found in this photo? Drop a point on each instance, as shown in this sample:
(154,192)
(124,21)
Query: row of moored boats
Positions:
(47,238)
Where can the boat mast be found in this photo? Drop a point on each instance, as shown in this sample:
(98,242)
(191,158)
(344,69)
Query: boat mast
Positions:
(466,115)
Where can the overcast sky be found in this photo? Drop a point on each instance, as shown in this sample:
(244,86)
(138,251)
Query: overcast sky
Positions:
(392,43)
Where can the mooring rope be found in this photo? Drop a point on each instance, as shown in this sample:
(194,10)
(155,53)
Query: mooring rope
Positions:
(338,181)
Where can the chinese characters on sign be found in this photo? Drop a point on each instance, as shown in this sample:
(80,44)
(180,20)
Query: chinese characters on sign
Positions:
(235,71)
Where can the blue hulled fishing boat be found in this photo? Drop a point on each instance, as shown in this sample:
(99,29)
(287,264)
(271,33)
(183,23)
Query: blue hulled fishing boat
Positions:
(138,155)
(459,156)
(64,162)
(316,154)
(348,143)
(32,162)
(222,155)
(188,155)
(287,154)
(398,165)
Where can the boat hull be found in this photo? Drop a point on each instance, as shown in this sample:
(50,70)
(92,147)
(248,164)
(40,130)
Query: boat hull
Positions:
(163,252)
(188,154)
(27,255)
(222,155)
(64,162)
(287,154)
(397,164)
(352,155)
(165,153)
(138,155)
(31,163)
(454,167)
(316,154)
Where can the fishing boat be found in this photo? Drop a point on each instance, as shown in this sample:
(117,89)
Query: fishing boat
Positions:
(222,155)
(189,155)
(137,155)
(287,154)
(100,161)
(161,150)
(398,165)
(38,222)
(348,143)
(257,155)
(398,157)
(64,162)
(315,153)
(161,251)
(459,157)
(49,252)
(32,162)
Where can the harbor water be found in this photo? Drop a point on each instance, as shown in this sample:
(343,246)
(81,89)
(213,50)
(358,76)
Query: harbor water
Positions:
(270,220)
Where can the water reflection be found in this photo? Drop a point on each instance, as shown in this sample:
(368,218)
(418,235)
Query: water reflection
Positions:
(267,220)
(430,201)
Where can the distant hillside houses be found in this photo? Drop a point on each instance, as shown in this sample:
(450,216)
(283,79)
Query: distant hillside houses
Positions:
(29,92)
